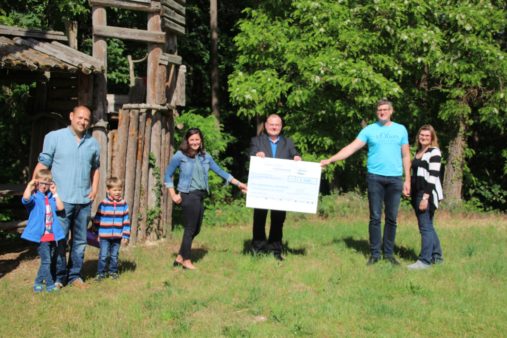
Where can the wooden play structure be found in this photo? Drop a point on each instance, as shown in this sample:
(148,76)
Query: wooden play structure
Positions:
(140,148)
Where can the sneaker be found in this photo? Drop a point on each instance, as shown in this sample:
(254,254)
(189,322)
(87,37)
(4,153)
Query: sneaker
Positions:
(419,265)
(99,277)
(373,260)
(38,288)
(392,260)
(78,283)
(58,285)
(52,288)
(114,275)
(437,260)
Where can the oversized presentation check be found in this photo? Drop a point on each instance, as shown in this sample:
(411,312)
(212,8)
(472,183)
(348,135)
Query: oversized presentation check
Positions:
(283,185)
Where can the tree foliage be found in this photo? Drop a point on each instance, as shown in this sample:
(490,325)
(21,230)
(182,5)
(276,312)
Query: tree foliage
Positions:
(323,65)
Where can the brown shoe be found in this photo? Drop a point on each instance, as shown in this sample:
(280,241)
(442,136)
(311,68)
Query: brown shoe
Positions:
(79,284)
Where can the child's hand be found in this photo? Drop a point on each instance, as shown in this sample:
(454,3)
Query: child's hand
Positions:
(31,185)
(124,241)
(52,188)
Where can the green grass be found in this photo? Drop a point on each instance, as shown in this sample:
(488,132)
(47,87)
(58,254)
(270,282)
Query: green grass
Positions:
(323,288)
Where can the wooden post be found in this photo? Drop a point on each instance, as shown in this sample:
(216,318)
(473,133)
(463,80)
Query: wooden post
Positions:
(154,52)
(155,150)
(111,147)
(130,170)
(143,187)
(120,158)
(71,30)
(134,222)
(99,99)
(100,134)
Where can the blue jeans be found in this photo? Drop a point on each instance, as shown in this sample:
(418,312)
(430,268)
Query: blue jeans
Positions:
(383,191)
(47,253)
(75,219)
(431,251)
(108,248)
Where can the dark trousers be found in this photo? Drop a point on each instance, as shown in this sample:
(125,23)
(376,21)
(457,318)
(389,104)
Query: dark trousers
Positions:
(192,204)
(383,191)
(276,229)
(431,251)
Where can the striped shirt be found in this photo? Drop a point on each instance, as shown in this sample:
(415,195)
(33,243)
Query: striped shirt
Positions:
(426,175)
(112,219)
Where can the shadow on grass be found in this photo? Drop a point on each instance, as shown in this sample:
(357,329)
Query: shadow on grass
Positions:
(362,246)
(198,254)
(286,249)
(14,251)
(89,269)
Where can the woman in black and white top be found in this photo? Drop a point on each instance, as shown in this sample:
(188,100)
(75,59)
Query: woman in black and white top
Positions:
(426,191)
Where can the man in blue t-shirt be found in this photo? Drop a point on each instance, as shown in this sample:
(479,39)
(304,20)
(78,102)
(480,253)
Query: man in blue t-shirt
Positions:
(388,159)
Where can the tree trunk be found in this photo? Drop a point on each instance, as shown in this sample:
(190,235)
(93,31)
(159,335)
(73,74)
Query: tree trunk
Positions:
(453,178)
(214,58)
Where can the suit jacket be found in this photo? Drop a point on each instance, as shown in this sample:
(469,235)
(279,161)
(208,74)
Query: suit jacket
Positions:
(284,150)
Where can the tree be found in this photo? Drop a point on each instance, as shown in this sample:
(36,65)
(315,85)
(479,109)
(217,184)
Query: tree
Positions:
(322,65)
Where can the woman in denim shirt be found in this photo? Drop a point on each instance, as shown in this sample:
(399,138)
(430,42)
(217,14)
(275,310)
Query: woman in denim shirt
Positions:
(194,164)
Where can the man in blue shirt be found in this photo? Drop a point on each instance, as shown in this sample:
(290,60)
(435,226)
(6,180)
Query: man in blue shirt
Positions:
(271,144)
(72,154)
(388,159)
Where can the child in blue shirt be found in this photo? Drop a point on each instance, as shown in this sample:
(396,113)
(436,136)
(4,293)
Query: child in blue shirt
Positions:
(112,221)
(42,202)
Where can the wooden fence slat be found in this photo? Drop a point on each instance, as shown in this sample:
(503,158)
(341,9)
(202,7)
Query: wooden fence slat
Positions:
(134,222)
(123,125)
(130,170)
(155,150)
(171,4)
(144,192)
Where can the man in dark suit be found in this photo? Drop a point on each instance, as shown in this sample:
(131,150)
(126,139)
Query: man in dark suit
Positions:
(271,144)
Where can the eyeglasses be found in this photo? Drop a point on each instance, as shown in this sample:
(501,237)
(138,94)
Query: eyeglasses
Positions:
(46,183)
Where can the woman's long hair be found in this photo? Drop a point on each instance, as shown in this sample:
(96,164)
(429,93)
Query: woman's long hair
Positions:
(185,147)
(434,138)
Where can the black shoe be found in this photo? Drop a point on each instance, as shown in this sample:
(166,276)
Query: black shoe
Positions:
(278,256)
(392,260)
(259,247)
(114,275)
(373,260)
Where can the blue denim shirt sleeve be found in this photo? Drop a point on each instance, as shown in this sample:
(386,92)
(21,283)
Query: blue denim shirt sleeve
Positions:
(171,168)
(48,150)
(219,171)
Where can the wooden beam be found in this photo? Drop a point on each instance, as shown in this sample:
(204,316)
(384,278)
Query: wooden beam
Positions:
(173,16)
(152,7)
(33,33)
(13,225)
(129,34)
(166,59)
(171,4)
(173,26)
